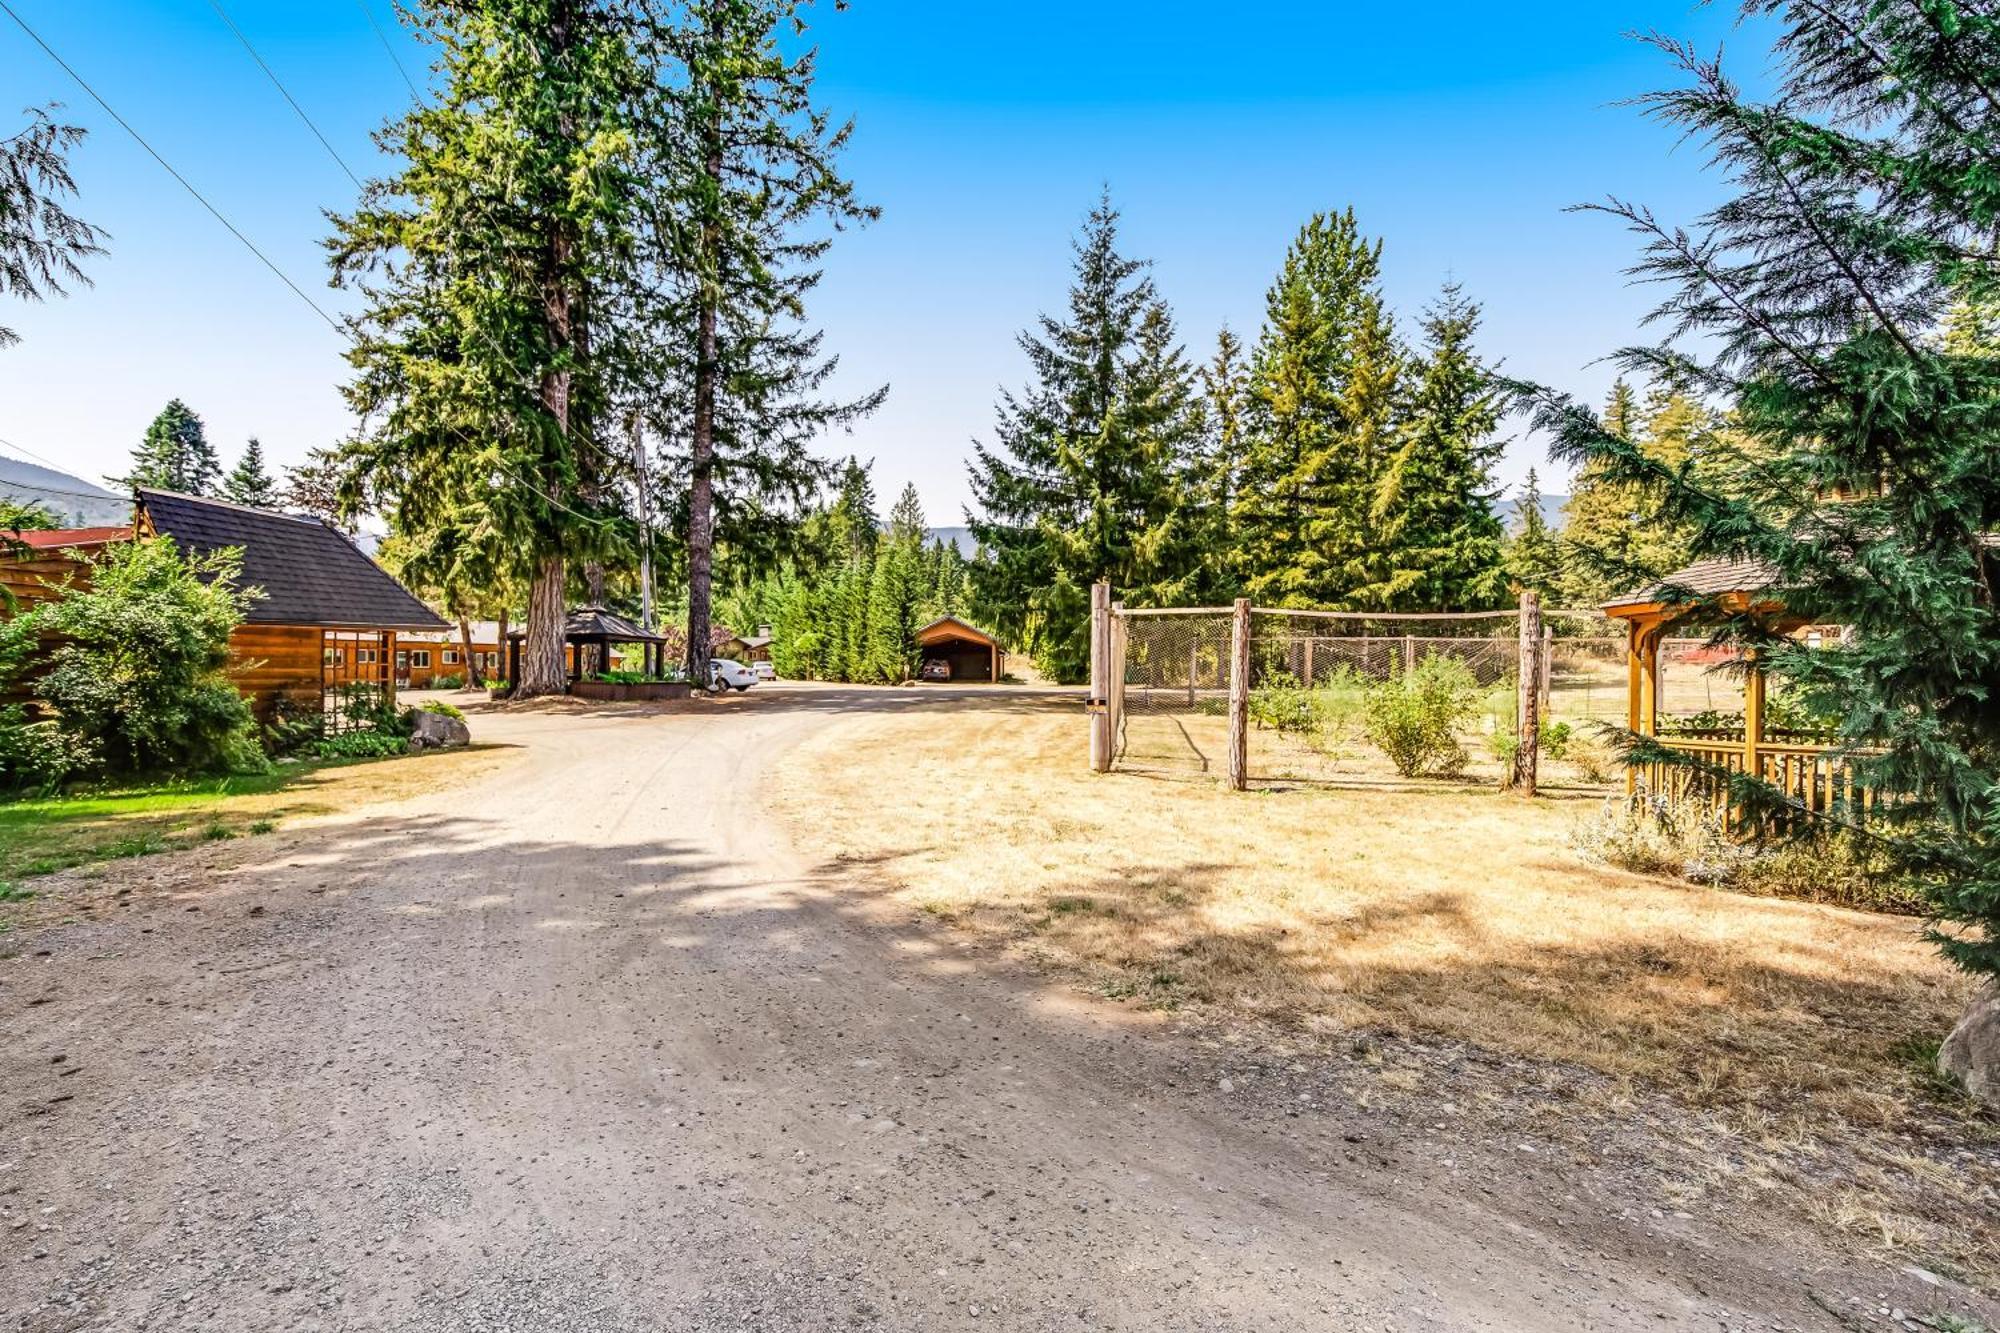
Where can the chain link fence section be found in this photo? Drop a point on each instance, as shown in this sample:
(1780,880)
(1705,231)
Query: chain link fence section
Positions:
(1170,690)
(1310,675)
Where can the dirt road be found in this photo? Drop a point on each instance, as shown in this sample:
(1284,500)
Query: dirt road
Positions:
(595,1046)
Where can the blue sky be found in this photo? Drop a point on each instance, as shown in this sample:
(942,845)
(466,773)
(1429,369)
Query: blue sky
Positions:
(1458,131)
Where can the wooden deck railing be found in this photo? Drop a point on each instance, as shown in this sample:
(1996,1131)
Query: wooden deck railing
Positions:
(1817,778)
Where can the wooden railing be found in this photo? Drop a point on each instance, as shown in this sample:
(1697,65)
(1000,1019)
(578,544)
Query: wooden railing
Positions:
(1817,779)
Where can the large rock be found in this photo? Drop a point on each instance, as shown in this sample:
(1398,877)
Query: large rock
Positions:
(1971,1054)
(433,731)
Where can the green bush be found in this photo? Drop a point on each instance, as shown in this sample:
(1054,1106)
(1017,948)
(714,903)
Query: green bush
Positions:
(443,709)
(138,680)
(449,682)
(359,745)
(1285,706)
(361,705)
(1414,716)
(1555,739)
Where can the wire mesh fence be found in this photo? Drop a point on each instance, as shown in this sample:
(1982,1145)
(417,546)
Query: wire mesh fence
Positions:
(1311,676)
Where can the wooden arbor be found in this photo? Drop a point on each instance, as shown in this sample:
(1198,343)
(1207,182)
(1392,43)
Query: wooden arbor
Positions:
(594,627)
(1811,773)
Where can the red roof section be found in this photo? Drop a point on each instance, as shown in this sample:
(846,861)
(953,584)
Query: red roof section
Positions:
(55,539)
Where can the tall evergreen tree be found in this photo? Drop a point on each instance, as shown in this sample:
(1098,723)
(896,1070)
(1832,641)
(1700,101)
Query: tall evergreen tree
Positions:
(248,483)
(42,245)
(745,188)
(1616,535)
(1225,388)
(484,261)
(1534,556)
(175,454)
(1086,481)
(1434,507)
(1862,200)
(899,594)
(1323,388)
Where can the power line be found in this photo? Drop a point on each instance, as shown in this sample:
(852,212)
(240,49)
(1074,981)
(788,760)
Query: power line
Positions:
(223,14)
(138,138)
(383,37)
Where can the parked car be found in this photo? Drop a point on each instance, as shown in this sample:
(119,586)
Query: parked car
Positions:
(934,668)
(764,671)
(724,674)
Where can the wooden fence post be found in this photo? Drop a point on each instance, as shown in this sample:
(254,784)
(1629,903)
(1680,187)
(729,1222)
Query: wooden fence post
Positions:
(1239,696)
(1528,708)
(1100,678)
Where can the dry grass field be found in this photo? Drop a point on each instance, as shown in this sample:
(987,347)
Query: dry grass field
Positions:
(1432,909)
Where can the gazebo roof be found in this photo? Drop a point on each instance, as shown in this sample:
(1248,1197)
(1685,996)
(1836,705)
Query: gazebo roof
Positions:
(1703,578)
(594,622)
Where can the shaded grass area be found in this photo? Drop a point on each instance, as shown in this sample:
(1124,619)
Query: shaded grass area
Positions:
(1441,910)
(42,836)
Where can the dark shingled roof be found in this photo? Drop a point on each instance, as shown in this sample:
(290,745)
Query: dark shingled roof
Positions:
(310,573)
(1704,578)
(592,622)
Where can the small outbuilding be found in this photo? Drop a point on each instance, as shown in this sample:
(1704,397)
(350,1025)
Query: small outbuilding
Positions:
(965,651)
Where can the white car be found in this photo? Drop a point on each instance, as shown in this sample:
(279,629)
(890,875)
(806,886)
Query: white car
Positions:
(724,674)
(764,671)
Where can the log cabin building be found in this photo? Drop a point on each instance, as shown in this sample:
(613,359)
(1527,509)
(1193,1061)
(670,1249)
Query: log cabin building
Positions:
(329,618)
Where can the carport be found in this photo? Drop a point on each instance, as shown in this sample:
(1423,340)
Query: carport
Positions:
(971,652)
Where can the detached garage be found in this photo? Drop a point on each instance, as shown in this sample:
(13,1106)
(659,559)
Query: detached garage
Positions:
(954,650)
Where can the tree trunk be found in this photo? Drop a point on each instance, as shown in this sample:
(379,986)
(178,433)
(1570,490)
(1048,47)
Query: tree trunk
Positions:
(500,644)
(474,676)
(542,648)
(701,452)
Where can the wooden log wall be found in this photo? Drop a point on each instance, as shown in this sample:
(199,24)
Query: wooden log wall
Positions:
(269,662)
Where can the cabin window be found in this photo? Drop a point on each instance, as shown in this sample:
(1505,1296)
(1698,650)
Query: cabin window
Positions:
(402,659)
(451,657)
(364,654)
(420,657)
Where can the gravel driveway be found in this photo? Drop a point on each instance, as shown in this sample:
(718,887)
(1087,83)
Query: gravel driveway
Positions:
(593,1045)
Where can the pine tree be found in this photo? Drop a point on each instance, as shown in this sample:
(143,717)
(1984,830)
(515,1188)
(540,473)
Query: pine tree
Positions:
(1534,556)
(1816,300)
(898,595)
(1087,481)
(1434,510)
(487,265)
(175,455)
(42,245)
(1322,395)
(1616,536)
(742,168)
(1225,387)
(248,483)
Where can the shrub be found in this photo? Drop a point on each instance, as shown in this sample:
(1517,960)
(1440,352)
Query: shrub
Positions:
(448,682)
(442,709)
(40,756)
(370,707)
(1836,867)
(1414,716)
(1595,760)
(1555,739)
(1674,835)
(1285,706)
(139,676)
(359,745)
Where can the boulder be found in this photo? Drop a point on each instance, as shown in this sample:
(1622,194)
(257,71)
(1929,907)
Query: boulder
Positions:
(1971,1054)
(434,731)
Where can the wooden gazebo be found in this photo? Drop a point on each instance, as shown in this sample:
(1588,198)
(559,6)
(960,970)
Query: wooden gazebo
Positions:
(590,627)
(1808,771)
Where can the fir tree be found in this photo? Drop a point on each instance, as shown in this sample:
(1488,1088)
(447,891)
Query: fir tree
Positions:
(898,595)
(1815,299)
(1225,388)
(42,245)
(175,455)
(1534,556)
(1434,511)
(1322,392)
(248,483)
(1616,536)
(1086,481)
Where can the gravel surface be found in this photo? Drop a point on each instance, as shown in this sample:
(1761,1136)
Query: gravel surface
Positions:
(593,1045)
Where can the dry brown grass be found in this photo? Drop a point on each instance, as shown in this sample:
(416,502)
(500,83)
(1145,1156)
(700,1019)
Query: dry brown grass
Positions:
(1435,909)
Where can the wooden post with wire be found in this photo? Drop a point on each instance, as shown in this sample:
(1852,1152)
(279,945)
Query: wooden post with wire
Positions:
(1239,696)
(1099,703)
(1528,708)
